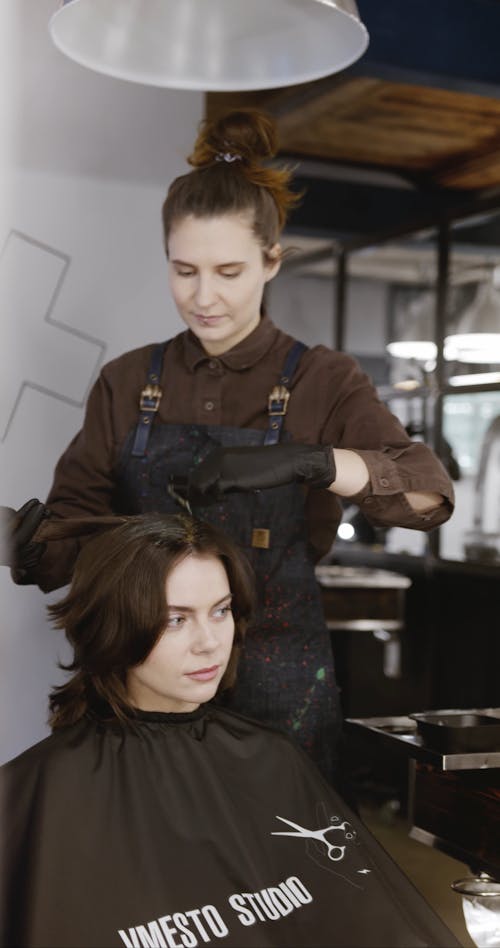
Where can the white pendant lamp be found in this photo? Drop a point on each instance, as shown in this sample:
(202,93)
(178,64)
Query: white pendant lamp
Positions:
(211,45)
(477,336)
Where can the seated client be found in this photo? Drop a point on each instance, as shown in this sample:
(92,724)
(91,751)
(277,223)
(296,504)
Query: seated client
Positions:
(154,817)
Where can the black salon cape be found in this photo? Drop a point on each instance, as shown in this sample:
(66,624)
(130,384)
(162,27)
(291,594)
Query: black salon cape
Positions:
(161,836)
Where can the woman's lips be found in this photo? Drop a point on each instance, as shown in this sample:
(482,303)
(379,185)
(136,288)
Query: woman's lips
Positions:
(208,320)
(204,674)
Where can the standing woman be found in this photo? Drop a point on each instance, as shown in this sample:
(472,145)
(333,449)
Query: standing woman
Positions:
(261,432)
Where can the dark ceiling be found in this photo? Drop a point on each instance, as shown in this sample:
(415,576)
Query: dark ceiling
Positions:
(405,135)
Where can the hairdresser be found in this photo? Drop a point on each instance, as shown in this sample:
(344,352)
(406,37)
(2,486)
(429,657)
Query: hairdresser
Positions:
(260,434)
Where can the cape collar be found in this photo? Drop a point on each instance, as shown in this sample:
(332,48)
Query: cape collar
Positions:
(163,717)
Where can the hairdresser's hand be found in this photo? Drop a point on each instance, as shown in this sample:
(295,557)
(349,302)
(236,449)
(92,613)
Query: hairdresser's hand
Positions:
(18,528)
(234,469)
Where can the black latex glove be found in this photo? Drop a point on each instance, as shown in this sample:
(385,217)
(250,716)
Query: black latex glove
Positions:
(18,528)
(234,469)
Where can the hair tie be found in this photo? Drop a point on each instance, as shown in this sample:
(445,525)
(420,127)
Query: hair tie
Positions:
(227,156)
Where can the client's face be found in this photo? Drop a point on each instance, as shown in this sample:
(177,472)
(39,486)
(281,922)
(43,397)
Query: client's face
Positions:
(186,665)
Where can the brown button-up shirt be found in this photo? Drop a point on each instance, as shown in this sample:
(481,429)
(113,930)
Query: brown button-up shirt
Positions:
(332,402)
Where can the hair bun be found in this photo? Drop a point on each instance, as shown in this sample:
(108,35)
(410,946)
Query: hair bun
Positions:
(245,133)
(231,175)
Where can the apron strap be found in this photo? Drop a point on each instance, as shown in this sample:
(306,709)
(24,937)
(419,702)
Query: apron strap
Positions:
(151,395)
(149,401)
(277,402)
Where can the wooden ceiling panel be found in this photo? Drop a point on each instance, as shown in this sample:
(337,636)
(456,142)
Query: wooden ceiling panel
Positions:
(473,170)
(451,137)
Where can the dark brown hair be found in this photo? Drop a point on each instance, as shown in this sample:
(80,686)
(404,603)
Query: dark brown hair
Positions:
(116,608)
(230,177)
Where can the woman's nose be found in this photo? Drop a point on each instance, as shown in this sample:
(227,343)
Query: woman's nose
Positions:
(205,292)
(205,639)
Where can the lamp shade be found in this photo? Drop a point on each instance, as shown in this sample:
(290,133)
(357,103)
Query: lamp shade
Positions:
(477,336)
(211,45)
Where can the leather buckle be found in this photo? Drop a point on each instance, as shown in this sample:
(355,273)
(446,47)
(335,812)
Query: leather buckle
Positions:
(281,395)
(151,393)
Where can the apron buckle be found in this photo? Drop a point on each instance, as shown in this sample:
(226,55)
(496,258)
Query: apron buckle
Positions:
(150,398)
(277,402)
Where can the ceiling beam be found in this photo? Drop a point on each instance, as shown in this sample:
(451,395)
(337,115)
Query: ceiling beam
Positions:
(357,216)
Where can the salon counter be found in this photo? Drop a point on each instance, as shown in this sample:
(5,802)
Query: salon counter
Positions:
(453,799)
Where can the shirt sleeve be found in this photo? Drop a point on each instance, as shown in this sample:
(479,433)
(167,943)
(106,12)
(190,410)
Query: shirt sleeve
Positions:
(359,421)
(394,472)
(83,484)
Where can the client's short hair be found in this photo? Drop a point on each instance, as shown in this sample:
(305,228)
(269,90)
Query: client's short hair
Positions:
(116,608)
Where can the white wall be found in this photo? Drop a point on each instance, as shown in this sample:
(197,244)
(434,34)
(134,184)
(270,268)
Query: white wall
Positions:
(82,278)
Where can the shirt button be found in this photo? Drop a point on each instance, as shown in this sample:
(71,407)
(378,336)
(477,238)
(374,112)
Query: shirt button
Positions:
(368,501)
(209,406)
(384,482)
(213,364)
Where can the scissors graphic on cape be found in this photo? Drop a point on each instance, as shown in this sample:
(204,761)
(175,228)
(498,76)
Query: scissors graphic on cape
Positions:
(334,852)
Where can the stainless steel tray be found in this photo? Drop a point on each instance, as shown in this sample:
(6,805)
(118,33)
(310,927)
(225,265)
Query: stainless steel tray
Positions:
(401,732)
(459,732)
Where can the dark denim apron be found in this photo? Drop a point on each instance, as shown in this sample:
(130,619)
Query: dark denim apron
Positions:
(285,673)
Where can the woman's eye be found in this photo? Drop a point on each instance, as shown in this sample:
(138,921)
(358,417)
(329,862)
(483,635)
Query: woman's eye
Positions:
(184,273)
(230,274)
(174,622)
(223,611)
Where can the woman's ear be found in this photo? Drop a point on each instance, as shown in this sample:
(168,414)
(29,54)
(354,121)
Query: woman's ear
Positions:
(272,261)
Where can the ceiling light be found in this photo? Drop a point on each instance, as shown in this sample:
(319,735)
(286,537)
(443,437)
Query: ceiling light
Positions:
(477,336)
(416,341)
(211,45)
(420,349)
(478,378)
(355,528)
(346,531)
(407,385)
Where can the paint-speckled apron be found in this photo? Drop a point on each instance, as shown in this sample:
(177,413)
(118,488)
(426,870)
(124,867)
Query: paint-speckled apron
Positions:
(286,670)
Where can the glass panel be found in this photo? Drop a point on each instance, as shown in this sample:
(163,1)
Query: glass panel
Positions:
(391,297)
(386,284)
(472,336)
(471,427)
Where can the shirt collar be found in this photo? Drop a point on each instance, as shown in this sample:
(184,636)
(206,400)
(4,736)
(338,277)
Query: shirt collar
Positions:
(242,356)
